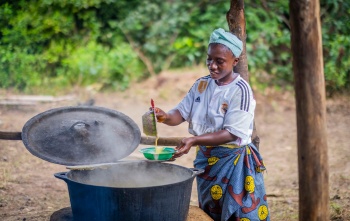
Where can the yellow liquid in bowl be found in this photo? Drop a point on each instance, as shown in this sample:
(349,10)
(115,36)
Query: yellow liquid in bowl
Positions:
(158,149)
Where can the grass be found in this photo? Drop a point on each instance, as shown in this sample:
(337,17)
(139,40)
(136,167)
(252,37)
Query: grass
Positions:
(336,211)
(4,178)
(283,208)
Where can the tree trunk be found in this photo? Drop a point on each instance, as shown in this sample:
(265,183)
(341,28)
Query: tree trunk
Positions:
(236,22)
(311,109)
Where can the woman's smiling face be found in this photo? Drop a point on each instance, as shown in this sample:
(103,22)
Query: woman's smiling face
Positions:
(220,62)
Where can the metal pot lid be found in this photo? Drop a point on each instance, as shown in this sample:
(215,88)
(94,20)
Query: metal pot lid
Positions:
(81,135)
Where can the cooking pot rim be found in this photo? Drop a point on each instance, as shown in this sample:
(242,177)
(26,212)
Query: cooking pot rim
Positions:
(64,175)
(129,188)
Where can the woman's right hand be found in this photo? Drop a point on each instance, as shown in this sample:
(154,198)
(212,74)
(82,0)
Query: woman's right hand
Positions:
(160,115)
(172,118)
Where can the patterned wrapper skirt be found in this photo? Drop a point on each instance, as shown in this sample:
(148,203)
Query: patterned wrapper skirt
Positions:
(232,185)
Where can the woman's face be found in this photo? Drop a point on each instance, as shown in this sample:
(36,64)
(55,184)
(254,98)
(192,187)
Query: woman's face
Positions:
(220,62)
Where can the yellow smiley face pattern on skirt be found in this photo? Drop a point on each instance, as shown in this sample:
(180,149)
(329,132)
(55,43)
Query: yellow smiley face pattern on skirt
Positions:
(232,185)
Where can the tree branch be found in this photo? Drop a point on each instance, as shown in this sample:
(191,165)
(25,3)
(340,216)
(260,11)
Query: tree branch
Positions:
(139,53)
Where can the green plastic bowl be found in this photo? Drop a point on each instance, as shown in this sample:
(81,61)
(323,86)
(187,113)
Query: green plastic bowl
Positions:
(150,153)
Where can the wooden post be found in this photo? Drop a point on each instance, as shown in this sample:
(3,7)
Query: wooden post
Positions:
(311,110)
(236,22)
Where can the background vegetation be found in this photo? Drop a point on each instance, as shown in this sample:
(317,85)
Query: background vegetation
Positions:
(51,45)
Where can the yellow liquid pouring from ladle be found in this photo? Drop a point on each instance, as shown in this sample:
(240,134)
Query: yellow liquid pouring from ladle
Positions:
(158,150)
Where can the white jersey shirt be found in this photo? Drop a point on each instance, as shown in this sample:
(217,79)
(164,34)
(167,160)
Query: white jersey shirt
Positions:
(208,108)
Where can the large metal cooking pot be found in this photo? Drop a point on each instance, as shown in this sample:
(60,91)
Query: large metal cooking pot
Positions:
(107,189)
(136,190)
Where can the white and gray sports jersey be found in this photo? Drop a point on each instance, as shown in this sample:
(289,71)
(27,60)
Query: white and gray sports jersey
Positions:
(208,108)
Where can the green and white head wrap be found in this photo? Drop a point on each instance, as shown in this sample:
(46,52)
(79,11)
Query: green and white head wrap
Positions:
(228,39)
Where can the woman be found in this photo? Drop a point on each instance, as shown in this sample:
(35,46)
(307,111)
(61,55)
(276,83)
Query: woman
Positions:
(220,111)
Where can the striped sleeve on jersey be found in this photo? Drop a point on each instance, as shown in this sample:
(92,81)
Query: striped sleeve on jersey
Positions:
(245,97)
(204,78)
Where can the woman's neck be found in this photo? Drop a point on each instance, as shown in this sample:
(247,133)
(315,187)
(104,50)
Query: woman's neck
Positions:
(233,76)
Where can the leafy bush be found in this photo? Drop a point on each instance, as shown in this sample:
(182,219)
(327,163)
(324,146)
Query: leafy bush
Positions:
(94,63)
(336,44)
(57,44)
(64,43)
(268,44)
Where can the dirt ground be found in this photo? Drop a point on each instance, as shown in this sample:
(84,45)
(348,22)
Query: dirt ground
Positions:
(29,191)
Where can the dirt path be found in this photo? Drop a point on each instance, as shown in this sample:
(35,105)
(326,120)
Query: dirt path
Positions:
(29,191)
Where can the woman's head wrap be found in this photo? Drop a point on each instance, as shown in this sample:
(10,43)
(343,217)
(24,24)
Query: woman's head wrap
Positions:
(228,39)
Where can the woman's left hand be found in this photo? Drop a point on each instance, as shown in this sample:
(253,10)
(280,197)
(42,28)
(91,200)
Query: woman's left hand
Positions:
(209,139)
(184,146)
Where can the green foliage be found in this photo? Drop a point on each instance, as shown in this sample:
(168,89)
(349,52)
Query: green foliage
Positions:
(94,63)
(65,43)
(18,68)
(152,28)
(191,45)
(57,43)
(268,44)
(335,17)
(172,33)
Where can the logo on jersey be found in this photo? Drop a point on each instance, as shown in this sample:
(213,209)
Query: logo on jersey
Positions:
(202,86)
(224,108)
(198,99)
